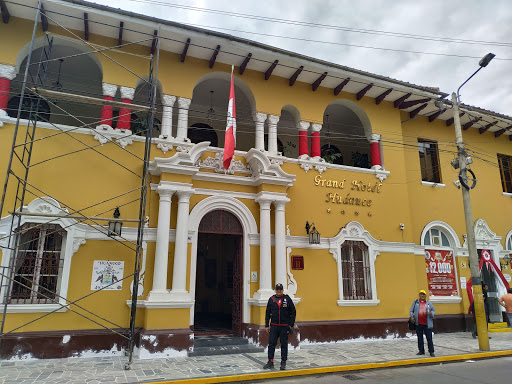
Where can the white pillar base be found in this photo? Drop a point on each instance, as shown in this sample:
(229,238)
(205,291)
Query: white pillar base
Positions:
(261,297)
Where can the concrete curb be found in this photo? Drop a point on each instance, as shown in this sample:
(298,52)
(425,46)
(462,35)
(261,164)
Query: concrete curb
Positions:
(340,368)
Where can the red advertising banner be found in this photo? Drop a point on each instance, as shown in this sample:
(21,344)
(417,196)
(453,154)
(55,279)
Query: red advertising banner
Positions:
(441,273)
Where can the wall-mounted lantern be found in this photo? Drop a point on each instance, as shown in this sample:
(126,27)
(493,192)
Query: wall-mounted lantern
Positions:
(506,260)
(314,235)
(115,226)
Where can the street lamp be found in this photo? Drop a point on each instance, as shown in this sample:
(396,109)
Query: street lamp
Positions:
(480,317)
(115,226)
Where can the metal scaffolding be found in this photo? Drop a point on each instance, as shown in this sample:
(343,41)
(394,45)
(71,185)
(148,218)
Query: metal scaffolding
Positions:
(34,89)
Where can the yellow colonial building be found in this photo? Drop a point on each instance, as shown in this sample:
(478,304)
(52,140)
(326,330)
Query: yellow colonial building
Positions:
(362,159)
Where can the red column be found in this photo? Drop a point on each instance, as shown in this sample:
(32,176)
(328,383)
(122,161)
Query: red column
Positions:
(303,138)
(315,140)
(109,91)
(125,113)
(106,112)
(124,116)
(303,143)
(7,73)
(5,87)
(375,151)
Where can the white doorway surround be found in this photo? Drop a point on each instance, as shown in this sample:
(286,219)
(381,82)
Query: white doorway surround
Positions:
(250,228)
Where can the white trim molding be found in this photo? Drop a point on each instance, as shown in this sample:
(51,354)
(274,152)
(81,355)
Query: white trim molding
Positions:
(430,184)
(445,299)
(354,231)
(250,228)
(74,238)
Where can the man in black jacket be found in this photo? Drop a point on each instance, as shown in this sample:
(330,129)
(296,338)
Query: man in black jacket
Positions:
(279,321)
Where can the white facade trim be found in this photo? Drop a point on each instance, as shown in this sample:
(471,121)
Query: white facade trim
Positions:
(355,231)
(75,237)
(35,308)
(445,299)
(430,184)
(250,228)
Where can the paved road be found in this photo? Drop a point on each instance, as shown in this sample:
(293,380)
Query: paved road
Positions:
(491,371)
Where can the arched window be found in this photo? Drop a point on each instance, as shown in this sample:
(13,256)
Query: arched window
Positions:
(331,154)
(437,238)
(200,132)
(355,269)
(29,102)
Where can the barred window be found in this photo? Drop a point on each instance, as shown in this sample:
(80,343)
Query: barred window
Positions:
(505,163)
(355,269)
(38,264)
(429,161)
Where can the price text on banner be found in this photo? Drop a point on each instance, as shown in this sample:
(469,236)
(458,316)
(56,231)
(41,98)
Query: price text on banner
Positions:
(440,273)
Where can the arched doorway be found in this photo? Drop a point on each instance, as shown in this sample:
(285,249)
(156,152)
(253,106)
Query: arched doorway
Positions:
(218,292)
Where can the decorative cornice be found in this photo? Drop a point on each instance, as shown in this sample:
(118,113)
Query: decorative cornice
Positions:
(127,93)
(168,100)
(7,71)
(105,133)
(109,89)
(164,147)
(216,163)
(264,171)
(184,103)
(184,162)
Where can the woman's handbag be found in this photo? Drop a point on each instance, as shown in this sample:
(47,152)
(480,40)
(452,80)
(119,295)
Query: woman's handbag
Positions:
(412,325)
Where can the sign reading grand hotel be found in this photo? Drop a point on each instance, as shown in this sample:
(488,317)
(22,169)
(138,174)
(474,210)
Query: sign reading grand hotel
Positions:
(348,198)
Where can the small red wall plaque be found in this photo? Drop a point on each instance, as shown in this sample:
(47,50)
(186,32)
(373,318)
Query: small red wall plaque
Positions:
(297,262)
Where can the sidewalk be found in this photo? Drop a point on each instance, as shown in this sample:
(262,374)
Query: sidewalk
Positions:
(312,359)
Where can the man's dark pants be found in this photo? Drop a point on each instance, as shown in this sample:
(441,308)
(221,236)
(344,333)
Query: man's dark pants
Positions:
(420,330)
(280,332)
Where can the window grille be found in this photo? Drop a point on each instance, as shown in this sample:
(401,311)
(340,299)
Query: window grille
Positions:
(355,268)
(505,163)
(429,161)
(38,265)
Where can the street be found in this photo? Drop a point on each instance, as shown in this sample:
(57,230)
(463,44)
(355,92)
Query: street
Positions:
(489,371)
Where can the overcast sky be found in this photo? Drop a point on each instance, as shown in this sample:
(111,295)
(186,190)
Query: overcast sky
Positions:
(472,20)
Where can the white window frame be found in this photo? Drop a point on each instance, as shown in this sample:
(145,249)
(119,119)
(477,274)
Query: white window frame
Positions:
(354,231)
(72,240)
(451,235)
(36,275)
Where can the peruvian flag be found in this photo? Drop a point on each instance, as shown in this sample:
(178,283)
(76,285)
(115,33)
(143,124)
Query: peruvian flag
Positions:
(230,137)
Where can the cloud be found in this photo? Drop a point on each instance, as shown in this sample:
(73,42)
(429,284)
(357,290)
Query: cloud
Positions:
(462,19)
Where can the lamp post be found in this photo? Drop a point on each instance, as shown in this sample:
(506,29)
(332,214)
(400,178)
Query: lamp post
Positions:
(480,317)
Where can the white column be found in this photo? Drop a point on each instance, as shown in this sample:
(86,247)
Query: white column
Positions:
(280,244)
(272,134)
(183,105)
(179,274)
(259,119)
(168,102)
(265,250)
(162,244)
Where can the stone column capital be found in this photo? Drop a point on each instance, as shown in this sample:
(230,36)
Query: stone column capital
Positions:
(273,119)
(280,204)
(168,100)
(165,193)
(375,138)
(260,117)
(184,196)
(127,93)
(183,102)
(263,202)
(7,71)
(316,127)
(109,89)
(304,125)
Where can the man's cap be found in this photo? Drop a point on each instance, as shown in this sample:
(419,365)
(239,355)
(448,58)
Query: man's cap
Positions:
(423,291)
(279,287)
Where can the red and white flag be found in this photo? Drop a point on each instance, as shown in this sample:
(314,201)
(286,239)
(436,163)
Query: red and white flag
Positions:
(230,137)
